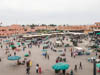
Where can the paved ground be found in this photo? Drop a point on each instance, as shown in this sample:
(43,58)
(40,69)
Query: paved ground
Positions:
(10,68)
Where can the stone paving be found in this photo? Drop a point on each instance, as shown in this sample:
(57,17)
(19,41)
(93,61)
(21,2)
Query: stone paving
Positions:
(10,68)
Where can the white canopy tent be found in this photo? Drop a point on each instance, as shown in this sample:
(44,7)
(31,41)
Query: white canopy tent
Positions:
(46,34)
(58,42)
(78,49)
(29,36)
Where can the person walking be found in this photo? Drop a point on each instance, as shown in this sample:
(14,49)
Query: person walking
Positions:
(80,66)
(48,56)
(1,46)
(28,63)
(51,48)
(56,60)
(29,52)
(14,53)
(96,54)
(71,54)
(75,68)
(45,55)
(71,49)
(37,68)
(28,70)
(64,71)
(71,72)
(0,59)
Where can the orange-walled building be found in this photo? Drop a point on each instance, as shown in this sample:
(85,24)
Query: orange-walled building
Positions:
(14,29)
(18,29)
(45,27)
(75,28)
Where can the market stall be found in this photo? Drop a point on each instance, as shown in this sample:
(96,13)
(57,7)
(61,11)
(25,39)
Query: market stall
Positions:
(58,44)
(78,50)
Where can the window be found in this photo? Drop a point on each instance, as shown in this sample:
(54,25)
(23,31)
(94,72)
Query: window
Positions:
(3,30)
(98,27)
(25,29)
(10,29)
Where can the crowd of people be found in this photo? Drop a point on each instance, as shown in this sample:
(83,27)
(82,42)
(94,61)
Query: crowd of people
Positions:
(9,51)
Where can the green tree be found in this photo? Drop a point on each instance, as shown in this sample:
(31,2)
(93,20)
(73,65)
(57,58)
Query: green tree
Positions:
(23,25)
(33,25)
(43,24)
(52,25)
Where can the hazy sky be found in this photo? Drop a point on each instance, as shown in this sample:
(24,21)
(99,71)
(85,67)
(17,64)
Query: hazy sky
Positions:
(49,11)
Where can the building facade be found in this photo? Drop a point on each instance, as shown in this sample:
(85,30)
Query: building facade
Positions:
(14,29)
(18,29)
